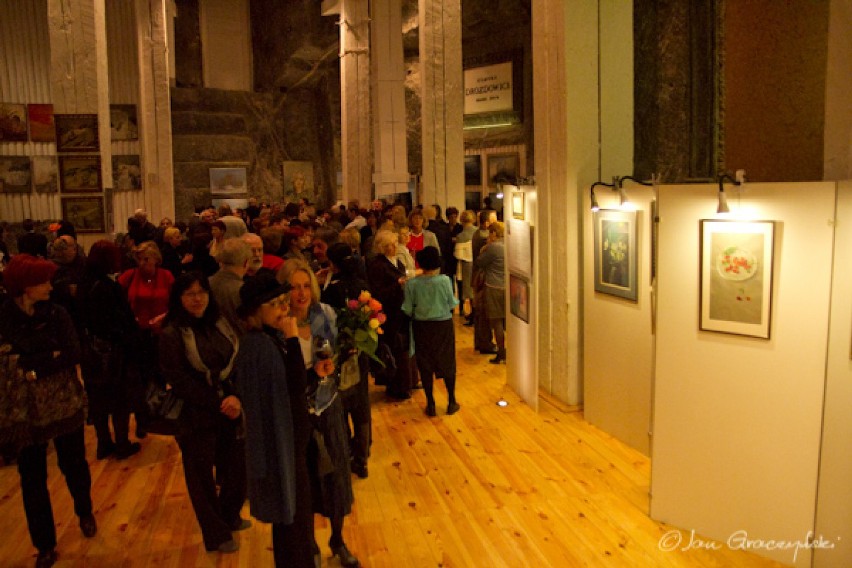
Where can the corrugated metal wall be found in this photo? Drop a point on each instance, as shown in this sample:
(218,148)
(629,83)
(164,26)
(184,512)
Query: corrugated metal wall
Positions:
(25,69)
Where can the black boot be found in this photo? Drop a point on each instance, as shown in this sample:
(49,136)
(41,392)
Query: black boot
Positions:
(346,558)
(499,358)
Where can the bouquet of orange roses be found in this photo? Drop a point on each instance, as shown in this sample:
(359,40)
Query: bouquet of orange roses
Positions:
(359,326)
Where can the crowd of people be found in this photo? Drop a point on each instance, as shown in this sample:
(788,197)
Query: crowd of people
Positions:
(236,313)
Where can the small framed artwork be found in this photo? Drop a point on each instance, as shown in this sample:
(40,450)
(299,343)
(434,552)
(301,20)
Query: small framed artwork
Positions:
(473,170)
(736,276)
(85,213)
(122,122)
(76,132)
(519,297)
(298,181)
(80,174)
(228,181)
(15,174)
(518,205)
(13,122)
(616,253)
(503,169)
(45,174)
(42,127)
(126,173)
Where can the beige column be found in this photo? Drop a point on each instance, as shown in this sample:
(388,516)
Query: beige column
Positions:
(388,96)
(154,112)
(566,164)
(78,66)
(442,103)
(356,141)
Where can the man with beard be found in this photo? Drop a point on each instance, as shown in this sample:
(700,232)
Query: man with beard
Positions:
(255,244)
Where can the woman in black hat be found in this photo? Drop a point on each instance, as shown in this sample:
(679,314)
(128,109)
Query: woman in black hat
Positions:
(270,377)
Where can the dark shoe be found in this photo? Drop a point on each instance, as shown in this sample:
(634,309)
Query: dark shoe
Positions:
(360,471)
(105,450)
(453,407)
(89,526)
(399,395)
(468,323)
(226,547)
(46,559)
(124,451)
(241,525)
(489,351)
(346,558)
(430,409)
(499,358)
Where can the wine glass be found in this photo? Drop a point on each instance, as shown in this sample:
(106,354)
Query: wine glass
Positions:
(322,349)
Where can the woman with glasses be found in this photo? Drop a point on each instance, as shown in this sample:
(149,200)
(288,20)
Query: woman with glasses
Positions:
(197,352)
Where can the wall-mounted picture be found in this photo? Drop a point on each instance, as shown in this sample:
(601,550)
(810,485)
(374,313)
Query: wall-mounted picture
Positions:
(299,181)
(126,173)
(473,200)
(123,124)
(42,126)
(616,253)
(80,174)
(45,174)
(736,276)
(76,132)
(13,122)
(519,297)
(228,181)
(473,170)
(518,205)
(15,174)
(233,203)
(85,213)
(503,168)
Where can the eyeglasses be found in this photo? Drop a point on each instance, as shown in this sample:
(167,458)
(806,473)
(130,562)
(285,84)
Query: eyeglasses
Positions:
(198,294)
(283,301)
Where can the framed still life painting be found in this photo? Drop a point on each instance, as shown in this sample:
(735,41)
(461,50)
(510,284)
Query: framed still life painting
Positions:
(616,253)
(736,276)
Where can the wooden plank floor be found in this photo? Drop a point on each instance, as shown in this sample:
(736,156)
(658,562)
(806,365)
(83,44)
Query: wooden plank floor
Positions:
(489,486)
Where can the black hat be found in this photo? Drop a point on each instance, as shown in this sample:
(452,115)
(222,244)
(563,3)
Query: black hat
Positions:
(259,289)
(429,258)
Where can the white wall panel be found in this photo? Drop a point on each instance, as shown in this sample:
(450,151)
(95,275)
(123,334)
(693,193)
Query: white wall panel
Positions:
(25,78)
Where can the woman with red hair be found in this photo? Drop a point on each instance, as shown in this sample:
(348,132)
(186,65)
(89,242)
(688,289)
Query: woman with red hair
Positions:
(42,334)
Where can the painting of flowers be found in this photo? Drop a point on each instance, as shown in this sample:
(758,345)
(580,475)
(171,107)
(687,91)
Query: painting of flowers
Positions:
(616,253)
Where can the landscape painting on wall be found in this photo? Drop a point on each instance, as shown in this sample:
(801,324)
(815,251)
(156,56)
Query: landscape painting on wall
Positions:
(45,174)
(15,174)
(80,174)
(228,181)
(616,253)
(736,276)
(76,132)
(85,213)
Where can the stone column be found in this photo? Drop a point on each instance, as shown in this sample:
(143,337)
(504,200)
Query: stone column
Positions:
(155,115)
(388,96)
(442,103)
(356,146)
(566,164)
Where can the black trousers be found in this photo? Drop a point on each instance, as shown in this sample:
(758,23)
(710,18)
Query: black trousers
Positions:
(356,407)
(294,545)
(32,467)
(217,513)
(435,351)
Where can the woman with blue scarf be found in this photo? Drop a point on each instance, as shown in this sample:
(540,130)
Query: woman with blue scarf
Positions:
(328,453)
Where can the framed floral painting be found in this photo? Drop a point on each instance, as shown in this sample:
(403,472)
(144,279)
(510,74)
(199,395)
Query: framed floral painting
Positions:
(616,253)
(736,276)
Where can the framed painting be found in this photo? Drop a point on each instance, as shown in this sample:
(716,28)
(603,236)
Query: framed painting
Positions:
(503,168)
(126,173)
(518,205)
(519,297)
(76,132)
(616,253)
(228,181)
(85,213)
(42,127)
(298,181)
(123,124)
(736,276)
(13,122)
(15,174)
(45,174)
(473,170)
(80,174)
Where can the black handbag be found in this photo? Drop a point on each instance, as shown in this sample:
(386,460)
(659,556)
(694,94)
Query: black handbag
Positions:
(164,408)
